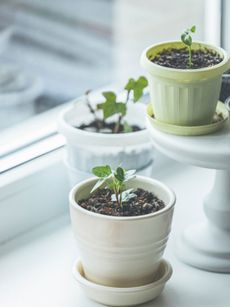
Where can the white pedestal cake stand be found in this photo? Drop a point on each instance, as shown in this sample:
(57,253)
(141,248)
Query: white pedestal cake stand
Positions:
(206,245)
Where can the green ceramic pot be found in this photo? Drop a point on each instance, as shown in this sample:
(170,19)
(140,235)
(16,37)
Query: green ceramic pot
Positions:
(184,96)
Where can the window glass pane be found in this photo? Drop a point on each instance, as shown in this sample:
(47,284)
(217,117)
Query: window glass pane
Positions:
(52,51)
(225,25)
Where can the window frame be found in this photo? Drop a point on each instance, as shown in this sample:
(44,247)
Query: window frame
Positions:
(31,162)
(225,24)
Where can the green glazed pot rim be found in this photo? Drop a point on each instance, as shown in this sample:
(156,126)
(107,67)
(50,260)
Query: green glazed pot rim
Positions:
(184,74)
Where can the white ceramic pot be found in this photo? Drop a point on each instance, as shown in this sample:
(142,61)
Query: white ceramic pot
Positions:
(121,251)
(87,149)
(184,96)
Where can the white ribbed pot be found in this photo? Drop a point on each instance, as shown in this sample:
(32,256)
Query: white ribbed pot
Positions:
(121,251)
(86,149)
(184,96)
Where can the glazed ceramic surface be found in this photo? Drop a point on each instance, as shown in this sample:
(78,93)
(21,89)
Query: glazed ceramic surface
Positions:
(184,96)
(121,251)
(128,296)
(189,130)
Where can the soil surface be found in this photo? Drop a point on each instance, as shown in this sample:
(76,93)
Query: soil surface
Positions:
(103,127)
(178,58)
(143,203)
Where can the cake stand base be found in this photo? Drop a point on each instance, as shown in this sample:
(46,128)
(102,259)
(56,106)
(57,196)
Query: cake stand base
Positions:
(205,247)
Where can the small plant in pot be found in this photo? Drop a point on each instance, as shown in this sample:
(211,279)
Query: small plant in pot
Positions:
(121,222)
(113,106)
(185,79)
(107,131)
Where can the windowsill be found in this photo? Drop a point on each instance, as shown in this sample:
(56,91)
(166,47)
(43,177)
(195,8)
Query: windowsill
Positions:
(36,268)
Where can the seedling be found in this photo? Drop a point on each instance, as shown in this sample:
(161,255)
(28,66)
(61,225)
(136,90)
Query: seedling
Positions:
(112,105)
(186,38)
(115,180)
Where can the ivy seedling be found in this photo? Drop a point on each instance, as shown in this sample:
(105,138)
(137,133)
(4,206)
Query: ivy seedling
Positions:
(112,105)
(137,87)
(115,181)
(186,38)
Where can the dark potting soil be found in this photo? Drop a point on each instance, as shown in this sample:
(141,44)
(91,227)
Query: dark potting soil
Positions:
(178,58)
(103,127)
(143,203)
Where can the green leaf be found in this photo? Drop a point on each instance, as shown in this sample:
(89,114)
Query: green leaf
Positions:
(102,171)
(127,195)
(120,174)
(127,127)
(110,96)
(137,93)
(111,106)
(186,36)
(193,29)
(186,39)
(114,180)
(130,85)
(121,108)
(142,81)
(98,184)
(137,87)
(110,185)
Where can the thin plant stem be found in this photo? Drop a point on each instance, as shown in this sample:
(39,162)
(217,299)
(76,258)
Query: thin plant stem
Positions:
(92,110)
(116,191)
(190,56)
(118,124)
(121,205)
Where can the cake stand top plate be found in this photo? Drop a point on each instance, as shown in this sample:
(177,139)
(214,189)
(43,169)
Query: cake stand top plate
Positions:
(210,151)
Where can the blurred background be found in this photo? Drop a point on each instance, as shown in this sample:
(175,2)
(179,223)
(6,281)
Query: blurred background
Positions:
(53,51)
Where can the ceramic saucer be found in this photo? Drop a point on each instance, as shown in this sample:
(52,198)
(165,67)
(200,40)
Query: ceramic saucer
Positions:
(113,296)
(221,112)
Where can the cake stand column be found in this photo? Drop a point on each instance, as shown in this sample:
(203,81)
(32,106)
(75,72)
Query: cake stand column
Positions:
(205,245)
(217,202)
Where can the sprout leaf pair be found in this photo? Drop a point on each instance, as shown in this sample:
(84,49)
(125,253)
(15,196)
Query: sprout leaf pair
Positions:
(114,180)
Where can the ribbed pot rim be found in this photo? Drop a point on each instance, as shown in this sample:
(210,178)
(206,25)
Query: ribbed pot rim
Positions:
(168,206)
